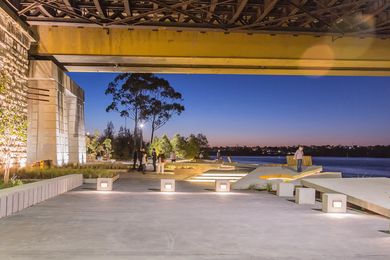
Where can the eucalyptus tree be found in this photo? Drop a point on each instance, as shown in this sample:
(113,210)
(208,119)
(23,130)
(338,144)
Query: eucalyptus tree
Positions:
(130,95)
(163,104)
(144,97)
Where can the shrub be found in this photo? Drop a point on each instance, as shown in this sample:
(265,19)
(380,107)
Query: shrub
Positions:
(48,173)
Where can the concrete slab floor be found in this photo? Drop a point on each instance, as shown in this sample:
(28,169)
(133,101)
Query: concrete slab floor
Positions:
(135,222)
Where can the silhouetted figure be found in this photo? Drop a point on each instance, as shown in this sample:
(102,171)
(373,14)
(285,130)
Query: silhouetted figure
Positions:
(154,159)
(299,157)
(135,158)
(140,158)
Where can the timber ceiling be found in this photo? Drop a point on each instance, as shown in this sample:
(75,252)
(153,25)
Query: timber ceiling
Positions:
(314,17)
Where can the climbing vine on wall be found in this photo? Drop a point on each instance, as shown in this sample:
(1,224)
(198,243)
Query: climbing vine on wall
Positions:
(13,128)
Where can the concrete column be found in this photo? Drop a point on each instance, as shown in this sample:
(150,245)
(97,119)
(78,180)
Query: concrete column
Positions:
(56,129)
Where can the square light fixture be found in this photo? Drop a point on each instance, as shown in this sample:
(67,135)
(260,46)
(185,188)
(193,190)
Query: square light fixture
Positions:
(104,184)
(334,203)
(222,185)
(337,204)
(167,185)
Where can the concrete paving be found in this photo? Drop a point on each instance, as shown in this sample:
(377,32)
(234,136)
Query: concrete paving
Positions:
(137,222)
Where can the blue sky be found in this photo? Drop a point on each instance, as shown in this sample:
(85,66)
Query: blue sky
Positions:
(264,110)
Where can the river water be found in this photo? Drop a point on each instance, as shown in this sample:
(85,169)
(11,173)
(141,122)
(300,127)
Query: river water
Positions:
(350,167)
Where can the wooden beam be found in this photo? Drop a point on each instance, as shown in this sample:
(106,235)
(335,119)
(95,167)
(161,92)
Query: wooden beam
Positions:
(240,6)
(293,11)
(372,14)
(46,12)
(268,6)
(127,4)
(100,8)
(181,16)
(311,19)
(132,18)
(212,9)
(155,7)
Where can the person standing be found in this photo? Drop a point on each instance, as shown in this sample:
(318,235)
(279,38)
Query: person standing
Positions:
(144,161)
(219,155)
(135,158)
(140,158)
(154,159)
(173,156)
(298,156)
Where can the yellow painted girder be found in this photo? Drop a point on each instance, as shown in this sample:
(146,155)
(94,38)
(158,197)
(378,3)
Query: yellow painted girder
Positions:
(191,51)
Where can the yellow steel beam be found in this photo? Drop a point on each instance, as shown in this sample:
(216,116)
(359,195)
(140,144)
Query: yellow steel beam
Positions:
(168,51)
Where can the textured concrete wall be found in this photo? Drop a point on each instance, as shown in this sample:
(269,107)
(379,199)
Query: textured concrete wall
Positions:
(56,121)
(18,198)
(14,45)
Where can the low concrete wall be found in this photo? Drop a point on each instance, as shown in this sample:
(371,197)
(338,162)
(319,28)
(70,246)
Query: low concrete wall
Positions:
(18,198)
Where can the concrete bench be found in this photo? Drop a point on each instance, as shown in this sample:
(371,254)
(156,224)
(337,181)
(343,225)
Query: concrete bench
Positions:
(305,196)
(334,203)
(285,189)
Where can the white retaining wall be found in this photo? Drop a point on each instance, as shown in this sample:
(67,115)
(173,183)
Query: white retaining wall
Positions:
(18,198)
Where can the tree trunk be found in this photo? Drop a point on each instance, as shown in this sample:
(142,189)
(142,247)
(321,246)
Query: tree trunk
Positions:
(135,129)
(6,169)
(152,135)
(6,176)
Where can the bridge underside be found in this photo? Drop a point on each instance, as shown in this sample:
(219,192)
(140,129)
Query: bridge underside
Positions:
(289,37)
(92,49)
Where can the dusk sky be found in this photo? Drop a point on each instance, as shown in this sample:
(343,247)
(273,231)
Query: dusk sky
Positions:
(263,110)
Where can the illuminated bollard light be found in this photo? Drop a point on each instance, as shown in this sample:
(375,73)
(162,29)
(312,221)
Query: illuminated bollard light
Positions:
(305,196)
(104,184)
(285,189)
(222,185)
(334,203)
(167,185)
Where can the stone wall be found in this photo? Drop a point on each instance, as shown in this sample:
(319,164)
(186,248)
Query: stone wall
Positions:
(55,117)
(14,45)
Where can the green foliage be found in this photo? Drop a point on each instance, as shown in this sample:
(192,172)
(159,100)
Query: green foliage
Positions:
(269,187)
(13,127)
(107,148)
(179,145)
(188,148)
(96,146)
(109,166)
(12,183)
(123,144)
(163,146)
(48,173)
(154,145)
(93,144)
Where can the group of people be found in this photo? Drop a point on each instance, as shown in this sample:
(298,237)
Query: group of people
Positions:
(141,157)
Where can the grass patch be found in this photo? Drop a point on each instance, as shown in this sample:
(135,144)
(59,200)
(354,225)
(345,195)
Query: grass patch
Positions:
(49,173)
(102,165)
(11,183)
